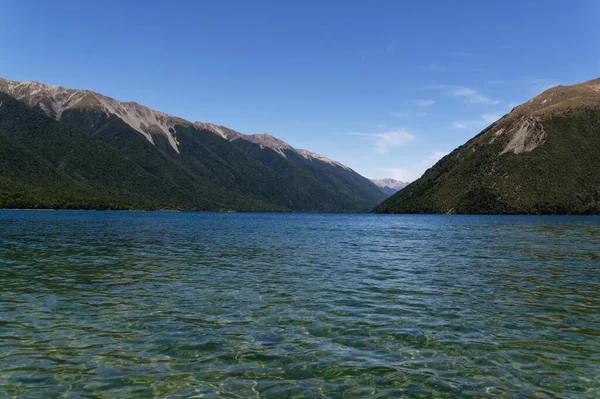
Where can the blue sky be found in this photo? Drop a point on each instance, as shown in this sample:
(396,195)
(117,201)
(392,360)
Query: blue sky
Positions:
(386,87)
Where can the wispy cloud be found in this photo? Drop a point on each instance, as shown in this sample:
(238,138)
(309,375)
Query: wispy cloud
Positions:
(401,174)
(436,156)
(468,93)
(460,125)
(434,67)
(540,85)
(511,105)
(384,142)
(472,95)
(466,54)
(424,103)
(483,121)
(414,171)
(407,115)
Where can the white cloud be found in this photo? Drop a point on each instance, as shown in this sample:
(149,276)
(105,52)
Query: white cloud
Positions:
(424,103)
(490,118)
(434,67)
(470,94)
(511,105)
(401,174)
(466,54)
(483,121)
(407,116)
(437,155)
(412,172)
(386,141)
(540,85)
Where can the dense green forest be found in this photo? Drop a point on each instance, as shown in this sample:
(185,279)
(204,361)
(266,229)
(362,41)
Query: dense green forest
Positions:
(50,164)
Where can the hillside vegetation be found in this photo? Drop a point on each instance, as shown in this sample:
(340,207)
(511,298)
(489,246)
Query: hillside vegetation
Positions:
(68,148)
(542,158)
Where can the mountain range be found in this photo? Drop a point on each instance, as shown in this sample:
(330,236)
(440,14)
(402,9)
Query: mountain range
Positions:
(66,148)
(390,186)
(541,158)
(77,149)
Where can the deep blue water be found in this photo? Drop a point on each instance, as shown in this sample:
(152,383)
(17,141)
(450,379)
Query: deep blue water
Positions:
(134,304)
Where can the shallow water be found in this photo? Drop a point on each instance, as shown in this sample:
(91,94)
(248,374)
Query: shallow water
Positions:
(131,304)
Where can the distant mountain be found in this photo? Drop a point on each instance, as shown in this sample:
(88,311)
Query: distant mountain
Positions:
(541,158)
(140,158)
(389,186)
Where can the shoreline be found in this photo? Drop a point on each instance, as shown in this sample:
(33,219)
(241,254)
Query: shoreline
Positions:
(298,212)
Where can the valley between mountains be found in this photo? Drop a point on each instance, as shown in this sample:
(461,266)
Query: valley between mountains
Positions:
(77,149)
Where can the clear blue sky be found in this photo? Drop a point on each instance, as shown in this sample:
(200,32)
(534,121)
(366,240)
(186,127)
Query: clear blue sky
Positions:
(385,87)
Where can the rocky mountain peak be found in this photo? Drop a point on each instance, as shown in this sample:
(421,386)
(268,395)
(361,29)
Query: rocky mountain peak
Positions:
(55,100)
(561,99)
(395,184)
(523,126)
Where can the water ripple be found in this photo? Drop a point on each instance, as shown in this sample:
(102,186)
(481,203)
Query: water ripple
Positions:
(126,304)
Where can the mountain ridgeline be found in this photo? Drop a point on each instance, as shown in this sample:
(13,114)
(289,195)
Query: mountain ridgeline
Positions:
(76,149)
(541,158)
(389,186)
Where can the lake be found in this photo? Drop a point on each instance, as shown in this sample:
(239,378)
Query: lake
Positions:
(137,304)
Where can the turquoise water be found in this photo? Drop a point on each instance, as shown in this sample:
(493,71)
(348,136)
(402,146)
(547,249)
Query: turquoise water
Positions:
(126,304)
